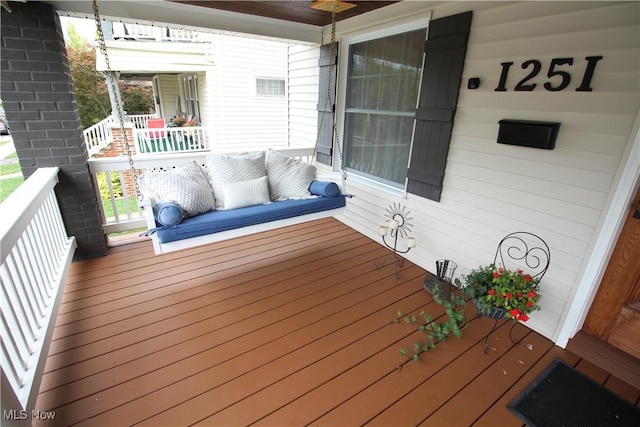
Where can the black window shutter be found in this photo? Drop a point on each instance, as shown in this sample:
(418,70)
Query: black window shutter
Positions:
(445,51)
(325,109)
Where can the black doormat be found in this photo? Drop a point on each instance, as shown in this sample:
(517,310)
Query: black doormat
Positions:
(562,396)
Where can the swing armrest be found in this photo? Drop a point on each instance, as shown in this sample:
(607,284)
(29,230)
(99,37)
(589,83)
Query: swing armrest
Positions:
(147,208)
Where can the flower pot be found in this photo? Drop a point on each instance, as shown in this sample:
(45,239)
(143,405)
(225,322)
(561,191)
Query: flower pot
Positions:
(440,290)
(490,311)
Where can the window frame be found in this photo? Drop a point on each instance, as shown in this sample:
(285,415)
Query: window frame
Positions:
(261,95)
(190,87)
(346,40)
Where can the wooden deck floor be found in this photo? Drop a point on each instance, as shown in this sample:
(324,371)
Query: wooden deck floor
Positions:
(287,327)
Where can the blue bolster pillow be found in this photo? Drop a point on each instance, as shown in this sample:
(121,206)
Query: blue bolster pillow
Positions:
(167,214)
(324,188)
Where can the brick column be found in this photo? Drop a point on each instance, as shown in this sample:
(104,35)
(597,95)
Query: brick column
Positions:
(40,103)
(118,148)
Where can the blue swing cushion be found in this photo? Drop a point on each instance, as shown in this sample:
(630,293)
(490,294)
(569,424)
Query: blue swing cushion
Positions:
(168,214)
(222,220)
(324,189)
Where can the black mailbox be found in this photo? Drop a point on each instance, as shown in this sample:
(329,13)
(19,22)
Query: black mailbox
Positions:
(528,133)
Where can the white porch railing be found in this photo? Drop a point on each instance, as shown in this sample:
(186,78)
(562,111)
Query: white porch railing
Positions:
(140,121)
(155,33)
(98,136)
(114,170)
(172,140)
(36,254)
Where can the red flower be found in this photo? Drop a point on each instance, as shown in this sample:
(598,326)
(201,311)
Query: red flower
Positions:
(514,312)
(520,295)
(496,275)
(509,295)
(491,292)
(501,270)
(529,304)
(523,317)
(527,278)
(531,294)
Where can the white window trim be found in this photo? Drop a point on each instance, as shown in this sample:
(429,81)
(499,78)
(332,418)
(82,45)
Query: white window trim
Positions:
(255,87)
(346,40)
(185,99)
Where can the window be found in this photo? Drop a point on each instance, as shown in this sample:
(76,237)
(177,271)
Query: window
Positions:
(190,91)
(383,81)
(269,87)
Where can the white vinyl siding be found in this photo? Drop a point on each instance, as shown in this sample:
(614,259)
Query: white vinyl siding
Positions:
(493,189)
(303,95)
(153,57)
(243,119)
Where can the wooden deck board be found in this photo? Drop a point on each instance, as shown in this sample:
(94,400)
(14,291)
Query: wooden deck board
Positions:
(286,327)
(227,285)
(498,414)
(246,354)
(221,300)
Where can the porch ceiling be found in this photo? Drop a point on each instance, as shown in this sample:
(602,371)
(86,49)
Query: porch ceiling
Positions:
(286,20)
(294,11)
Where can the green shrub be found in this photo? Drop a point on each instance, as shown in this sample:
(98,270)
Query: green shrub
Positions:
(104,188)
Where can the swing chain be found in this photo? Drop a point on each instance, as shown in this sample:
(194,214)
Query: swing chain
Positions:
(114,91)
(327,102)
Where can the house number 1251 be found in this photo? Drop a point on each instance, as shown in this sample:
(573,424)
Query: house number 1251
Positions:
(536,66)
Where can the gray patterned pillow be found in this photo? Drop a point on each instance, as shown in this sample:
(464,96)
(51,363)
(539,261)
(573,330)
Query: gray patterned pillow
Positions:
(187,186)
(289,178)
(226,168)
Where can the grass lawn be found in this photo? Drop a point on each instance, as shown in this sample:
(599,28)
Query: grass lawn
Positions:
(120,206)
(10,168)
(8,185)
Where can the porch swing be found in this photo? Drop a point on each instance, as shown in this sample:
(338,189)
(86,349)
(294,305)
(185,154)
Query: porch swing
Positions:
(211,208)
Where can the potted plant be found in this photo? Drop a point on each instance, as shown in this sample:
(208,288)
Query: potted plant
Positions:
(178,121)
(498,292)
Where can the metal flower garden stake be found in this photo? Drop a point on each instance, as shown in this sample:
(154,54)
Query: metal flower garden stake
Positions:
(397,226)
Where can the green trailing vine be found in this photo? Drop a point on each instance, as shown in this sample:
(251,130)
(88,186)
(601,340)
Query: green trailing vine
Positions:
(435,331)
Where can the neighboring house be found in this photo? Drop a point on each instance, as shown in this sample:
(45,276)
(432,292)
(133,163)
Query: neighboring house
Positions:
(234,86)
(576,196)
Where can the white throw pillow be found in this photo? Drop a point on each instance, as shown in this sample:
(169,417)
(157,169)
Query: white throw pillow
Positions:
(187,186)
(289,178)
(246,193)
(226,168)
